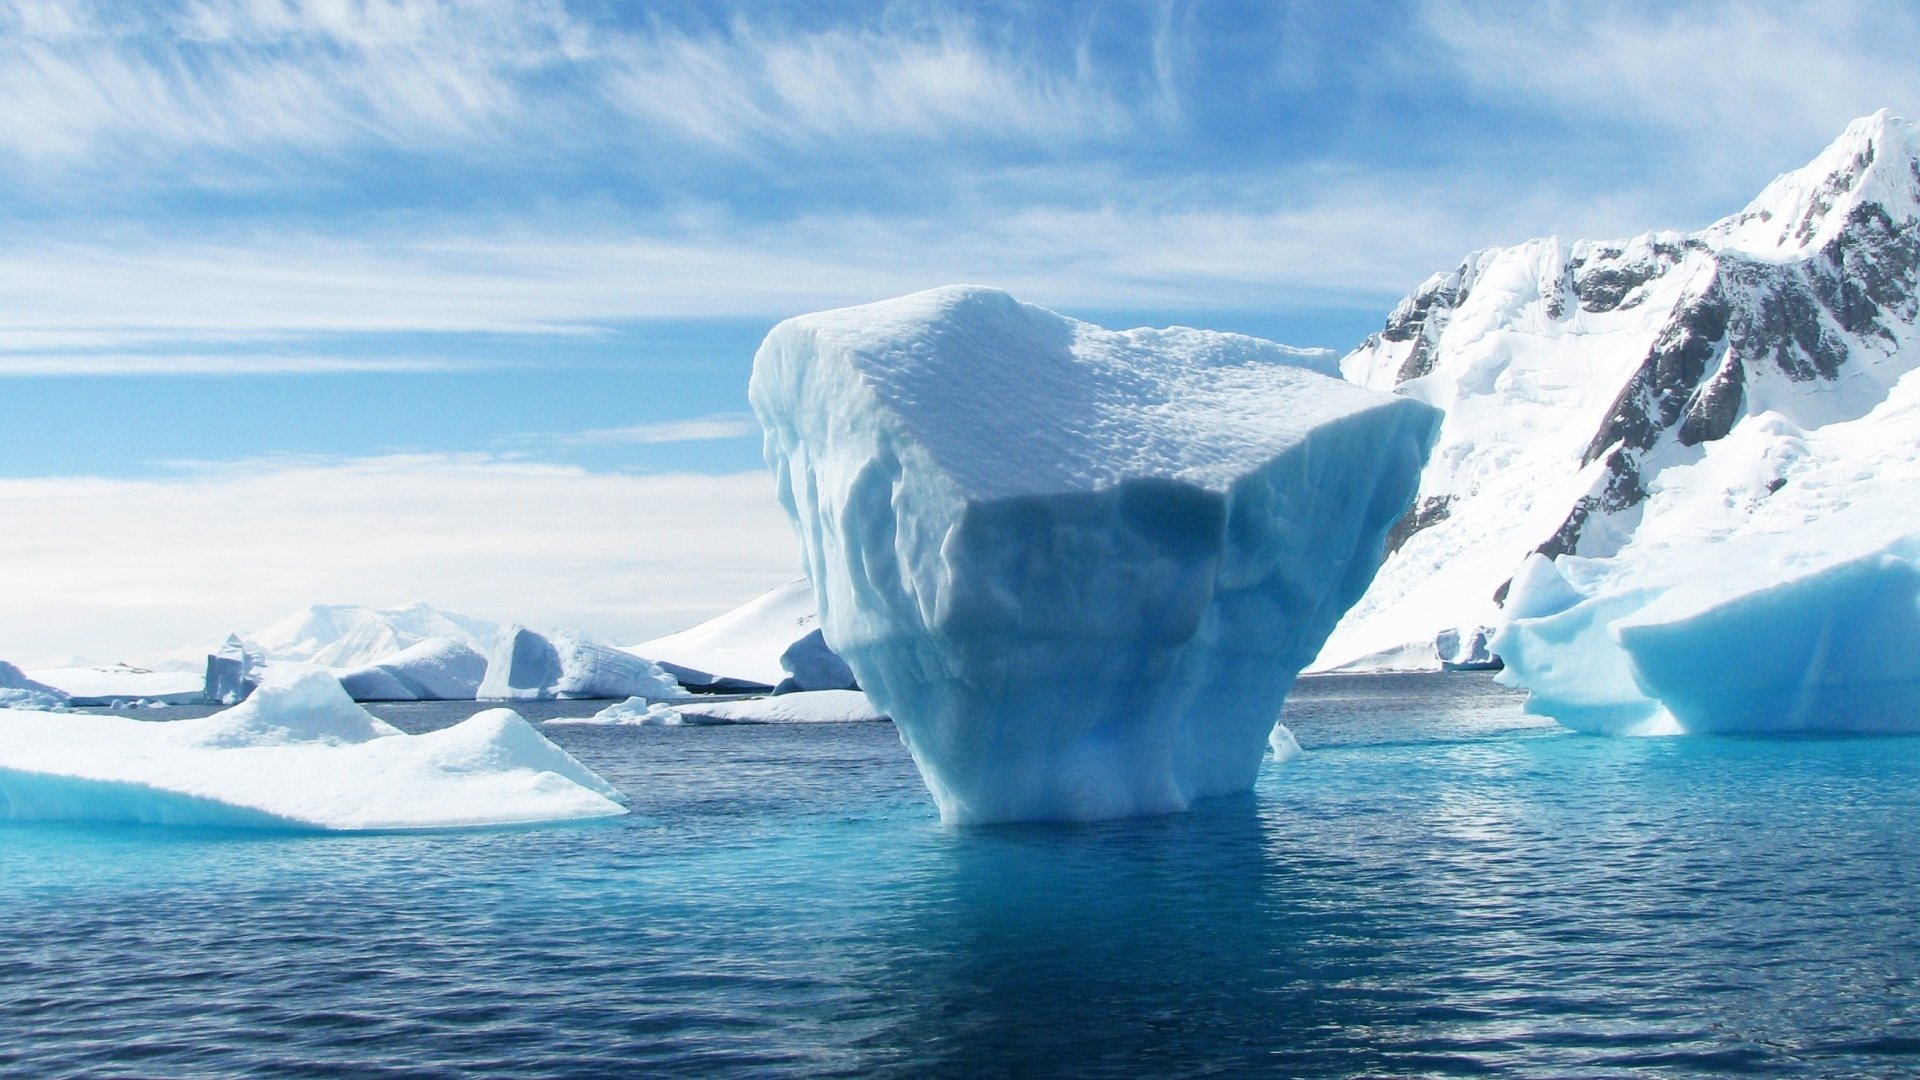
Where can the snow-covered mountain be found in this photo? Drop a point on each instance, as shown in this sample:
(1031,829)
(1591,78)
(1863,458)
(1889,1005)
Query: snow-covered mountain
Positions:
(351,636)
(1666,386)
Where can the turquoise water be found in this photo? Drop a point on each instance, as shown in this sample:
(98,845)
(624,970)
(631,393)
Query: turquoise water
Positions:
(1439,885)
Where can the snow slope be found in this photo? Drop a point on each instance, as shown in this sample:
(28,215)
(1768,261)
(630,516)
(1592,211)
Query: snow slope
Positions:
(1601,393)
(1078,567)
(744,645)
(298,754)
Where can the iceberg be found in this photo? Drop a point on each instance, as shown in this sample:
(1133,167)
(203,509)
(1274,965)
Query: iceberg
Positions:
(1790,641)
(17,691)
(529,666)
(297,754)
(232,673)
(122,683)
(1079,568)
(1797,611)
(812,665)
(799,707)
(437,669)
(633,712)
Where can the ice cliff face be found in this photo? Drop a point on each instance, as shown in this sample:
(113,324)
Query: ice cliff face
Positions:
(1079,568)
(1586,384)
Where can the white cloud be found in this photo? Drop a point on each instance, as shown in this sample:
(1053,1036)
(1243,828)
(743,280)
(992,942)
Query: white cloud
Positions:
(692,429)
(112,568)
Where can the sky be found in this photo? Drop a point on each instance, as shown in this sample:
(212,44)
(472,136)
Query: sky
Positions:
(351,301)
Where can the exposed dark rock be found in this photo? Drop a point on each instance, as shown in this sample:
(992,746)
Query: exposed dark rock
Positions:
(1422,514)
(1659,392)
(1621,491)
(1713,413)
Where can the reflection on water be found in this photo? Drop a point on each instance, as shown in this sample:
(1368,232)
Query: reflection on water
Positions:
(1439,885)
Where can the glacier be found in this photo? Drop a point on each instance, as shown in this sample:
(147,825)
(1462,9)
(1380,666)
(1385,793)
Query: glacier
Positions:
(1608,398)
(528,665)
(297,754)
(1078,567)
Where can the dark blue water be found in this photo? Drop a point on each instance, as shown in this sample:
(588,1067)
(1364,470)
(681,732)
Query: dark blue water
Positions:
(1438,886)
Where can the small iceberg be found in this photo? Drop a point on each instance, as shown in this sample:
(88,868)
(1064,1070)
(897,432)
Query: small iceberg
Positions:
(799,707)
(298,754)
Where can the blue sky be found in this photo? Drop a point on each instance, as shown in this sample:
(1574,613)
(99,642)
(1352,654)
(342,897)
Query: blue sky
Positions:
(282,245)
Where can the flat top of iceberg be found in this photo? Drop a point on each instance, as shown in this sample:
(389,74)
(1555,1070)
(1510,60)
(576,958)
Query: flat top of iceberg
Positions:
(297,754)
(1053,404)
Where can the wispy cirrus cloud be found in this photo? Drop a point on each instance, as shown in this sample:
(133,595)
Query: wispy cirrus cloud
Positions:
(1738,82)
(238,84)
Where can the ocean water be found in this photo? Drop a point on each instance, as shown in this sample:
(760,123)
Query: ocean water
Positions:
(1439,885)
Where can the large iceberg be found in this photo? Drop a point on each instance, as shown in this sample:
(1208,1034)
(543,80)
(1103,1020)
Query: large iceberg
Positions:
(297,754)
(527,665)
(1079,568)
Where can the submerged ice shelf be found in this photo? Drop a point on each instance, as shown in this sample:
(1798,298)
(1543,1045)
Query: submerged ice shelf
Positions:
(1079,568)
(298,754)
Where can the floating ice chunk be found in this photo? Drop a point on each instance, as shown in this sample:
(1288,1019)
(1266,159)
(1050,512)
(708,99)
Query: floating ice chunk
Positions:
(297,754)
(633,711)
(801,707)
(1282,743)
(526,665)
(1815,630)
(437,669)
(1464,648)
(1079,568)
(19,692)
